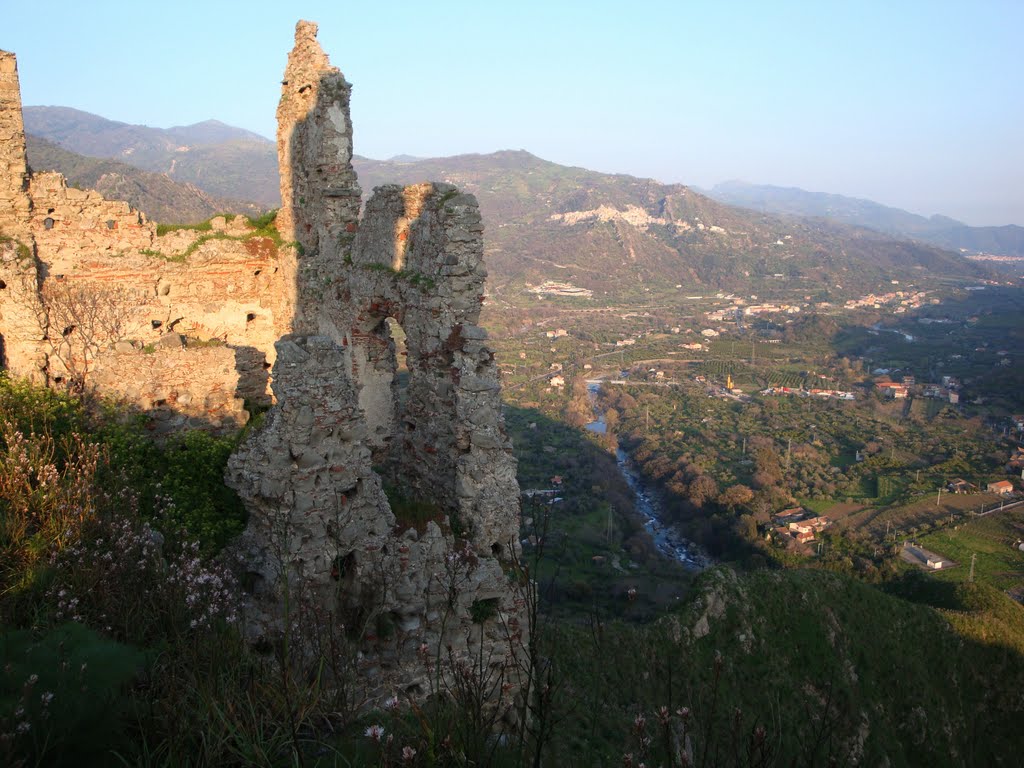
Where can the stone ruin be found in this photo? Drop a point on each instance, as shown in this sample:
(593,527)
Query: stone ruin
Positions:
(319,316)
(180,326)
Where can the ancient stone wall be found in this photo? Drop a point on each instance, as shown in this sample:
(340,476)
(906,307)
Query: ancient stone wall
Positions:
(68,224)
(314,147)
(321,529)
(184,326)
(22,316)
(178,387)
(14,201)
(91,275)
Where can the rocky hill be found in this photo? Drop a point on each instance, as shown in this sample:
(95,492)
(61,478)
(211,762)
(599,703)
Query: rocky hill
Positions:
(937,230)
(221,160)
(155,194)
(621,234)
(615,235)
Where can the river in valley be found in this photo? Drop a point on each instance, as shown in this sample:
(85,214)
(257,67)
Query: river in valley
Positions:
(667,538)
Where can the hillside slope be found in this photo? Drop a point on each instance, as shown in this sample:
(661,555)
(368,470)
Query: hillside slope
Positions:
(221,160)
(160,198)
(830,667)
(622,237)
(621,234)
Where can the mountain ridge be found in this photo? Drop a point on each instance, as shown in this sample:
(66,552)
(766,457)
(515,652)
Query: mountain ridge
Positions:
(613,235)
(940,230)
(222,160)
(158,196)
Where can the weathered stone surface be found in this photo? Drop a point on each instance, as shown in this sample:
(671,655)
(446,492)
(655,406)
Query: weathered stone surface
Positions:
(415,258)
(193,321)
(15,206)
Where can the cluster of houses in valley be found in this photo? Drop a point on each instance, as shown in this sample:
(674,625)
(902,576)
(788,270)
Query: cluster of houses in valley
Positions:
(948,390)
(824,394)
(903,300)
(796,524)
(998,487)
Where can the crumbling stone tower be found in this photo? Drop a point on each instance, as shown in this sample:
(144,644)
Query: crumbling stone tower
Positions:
(14,200)
(312,477)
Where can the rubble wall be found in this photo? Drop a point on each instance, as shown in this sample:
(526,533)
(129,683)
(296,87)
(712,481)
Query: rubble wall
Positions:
(226,284)
(188,325)
(321,527)
(14,201)
(177,387)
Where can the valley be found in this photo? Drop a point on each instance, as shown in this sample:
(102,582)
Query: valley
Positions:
(716,486)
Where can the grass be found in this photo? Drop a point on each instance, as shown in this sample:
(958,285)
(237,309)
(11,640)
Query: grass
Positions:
(23,251)
(991,538)
(262,226)
(822,644)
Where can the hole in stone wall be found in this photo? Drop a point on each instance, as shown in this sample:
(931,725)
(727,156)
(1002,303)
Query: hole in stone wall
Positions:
(111,223)
(50,210)
(47,223)
(155,323)
(257,273)
(267,366)
(496,549)
(58,379)
(159,403)
(2,285)
(343,565)
(250,317)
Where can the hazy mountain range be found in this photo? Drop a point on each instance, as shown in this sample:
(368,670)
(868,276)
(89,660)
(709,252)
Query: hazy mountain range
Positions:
(939,230)
(162,198)
(221,160)
(613,234)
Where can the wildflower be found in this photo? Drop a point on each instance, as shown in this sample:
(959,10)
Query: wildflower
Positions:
(663,716)
(46,698)
(684,713)
(639,722)
(391,704)
(375,732)
(33,679)
(23,727)
(408,755)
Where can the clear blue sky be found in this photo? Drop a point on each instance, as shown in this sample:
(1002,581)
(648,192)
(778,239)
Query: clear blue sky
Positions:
(913,104)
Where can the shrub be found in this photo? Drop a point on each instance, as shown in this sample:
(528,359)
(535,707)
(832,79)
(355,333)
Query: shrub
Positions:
(62,695)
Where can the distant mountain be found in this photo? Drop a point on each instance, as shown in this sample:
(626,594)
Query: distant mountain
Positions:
(938,230)
(612,234)
(160,198)
(222,160)
(620,234)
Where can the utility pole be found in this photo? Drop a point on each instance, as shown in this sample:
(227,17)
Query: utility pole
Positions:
(973,558)
(647,419)
(939,496)
(744,446)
